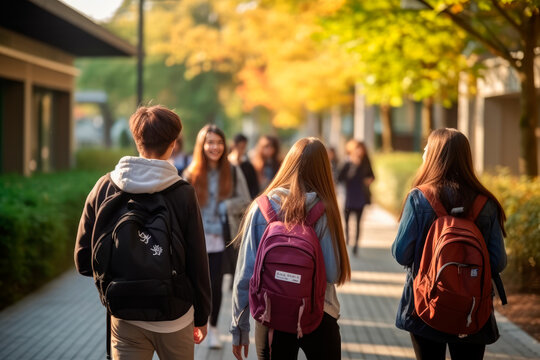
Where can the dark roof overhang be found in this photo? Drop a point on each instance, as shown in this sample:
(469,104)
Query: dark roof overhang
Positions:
(57,24)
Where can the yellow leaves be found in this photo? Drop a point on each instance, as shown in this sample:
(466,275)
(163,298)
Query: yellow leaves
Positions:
(286,120)
(268,48)
(327,7)
(254,89)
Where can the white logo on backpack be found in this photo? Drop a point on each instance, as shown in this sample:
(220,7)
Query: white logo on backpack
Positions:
(144,237)
(157,250)
(289,277)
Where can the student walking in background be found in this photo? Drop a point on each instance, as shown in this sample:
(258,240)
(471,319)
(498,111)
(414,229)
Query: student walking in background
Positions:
(357,176)
(334,162)
(447,177)
(170,315)
(302,181)
(223,195)
(179,158)
(266,159)
(238,157)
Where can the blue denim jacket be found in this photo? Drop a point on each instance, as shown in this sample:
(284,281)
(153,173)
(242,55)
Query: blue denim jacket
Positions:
(417,217)
(246,262)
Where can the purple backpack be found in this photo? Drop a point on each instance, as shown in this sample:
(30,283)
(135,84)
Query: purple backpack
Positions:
(286,291)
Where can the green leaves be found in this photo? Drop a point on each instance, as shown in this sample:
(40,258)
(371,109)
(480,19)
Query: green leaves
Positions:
(400,53)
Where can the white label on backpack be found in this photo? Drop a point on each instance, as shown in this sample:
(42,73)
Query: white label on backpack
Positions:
(290,277)
(474,272)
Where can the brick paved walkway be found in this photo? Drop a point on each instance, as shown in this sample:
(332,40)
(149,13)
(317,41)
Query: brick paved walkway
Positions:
(65,320)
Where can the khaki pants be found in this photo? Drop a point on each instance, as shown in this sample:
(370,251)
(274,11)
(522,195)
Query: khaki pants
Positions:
(130,342)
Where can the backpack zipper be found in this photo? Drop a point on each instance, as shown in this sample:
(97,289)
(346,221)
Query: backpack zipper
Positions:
(459,265)
(469,317)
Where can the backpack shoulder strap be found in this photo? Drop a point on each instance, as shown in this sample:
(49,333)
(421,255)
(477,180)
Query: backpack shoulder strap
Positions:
(177,184)
(478,205)
(266,208)
(433,200)
(315,213)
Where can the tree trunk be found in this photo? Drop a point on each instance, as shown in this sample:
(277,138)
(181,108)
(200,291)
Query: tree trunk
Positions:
(386,122)
(528,163)
(427,119)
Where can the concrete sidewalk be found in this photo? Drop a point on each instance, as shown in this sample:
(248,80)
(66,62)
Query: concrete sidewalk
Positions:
(65,320)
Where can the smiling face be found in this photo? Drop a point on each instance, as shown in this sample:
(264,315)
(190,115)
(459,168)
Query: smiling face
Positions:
(214,147)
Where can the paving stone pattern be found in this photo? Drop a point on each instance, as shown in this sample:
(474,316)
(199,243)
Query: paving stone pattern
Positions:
(64,320)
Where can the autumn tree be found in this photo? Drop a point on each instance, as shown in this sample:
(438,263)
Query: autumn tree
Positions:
(399,54)
(269,50)
(508,29)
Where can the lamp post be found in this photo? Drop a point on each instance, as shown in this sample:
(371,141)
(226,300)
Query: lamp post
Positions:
(140,54)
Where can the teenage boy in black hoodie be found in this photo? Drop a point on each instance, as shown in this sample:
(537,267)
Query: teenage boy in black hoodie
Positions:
(155,130)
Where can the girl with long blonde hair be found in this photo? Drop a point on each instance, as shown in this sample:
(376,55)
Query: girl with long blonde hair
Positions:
(303,179)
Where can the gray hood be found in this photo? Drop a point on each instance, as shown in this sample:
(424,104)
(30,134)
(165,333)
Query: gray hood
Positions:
(138,175)
(277,193)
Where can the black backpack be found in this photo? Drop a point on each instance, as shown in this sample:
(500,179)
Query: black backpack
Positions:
(138,261)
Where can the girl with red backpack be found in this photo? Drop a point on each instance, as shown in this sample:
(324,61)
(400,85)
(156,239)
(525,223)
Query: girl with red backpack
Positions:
(303,182)
(447,175)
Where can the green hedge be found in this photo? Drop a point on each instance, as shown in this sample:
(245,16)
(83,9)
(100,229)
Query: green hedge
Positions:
(101,159)
(394,173)
(38,222)
(39,216)
(520,198)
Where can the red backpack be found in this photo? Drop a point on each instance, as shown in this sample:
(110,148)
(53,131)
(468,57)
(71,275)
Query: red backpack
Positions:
(452,290)
(286,291)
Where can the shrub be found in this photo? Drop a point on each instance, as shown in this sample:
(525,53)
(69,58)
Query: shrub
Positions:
(394,173)
(520,198)
(38,223)
(101,159)
(39,216)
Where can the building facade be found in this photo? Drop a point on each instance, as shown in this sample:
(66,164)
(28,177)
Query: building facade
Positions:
(39,41)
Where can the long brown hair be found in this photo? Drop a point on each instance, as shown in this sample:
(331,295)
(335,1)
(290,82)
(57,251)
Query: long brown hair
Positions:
(198,169)
(307,168)
(448,168)
(258,160)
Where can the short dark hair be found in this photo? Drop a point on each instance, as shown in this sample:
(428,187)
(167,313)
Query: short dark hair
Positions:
(154,128)
(238,138)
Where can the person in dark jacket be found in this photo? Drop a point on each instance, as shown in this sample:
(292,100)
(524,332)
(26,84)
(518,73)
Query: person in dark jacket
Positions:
(155,130)
(448,170)
(179,158)
(357,176)
(266,159)
(238,157)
